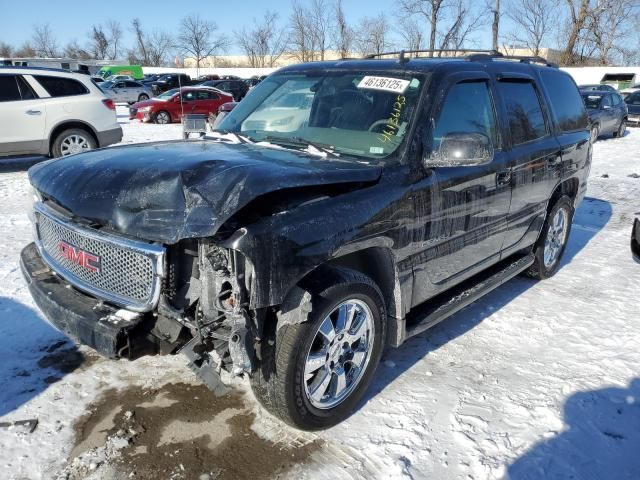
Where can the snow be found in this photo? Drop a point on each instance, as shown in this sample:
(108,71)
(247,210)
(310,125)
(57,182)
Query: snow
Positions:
(536,380)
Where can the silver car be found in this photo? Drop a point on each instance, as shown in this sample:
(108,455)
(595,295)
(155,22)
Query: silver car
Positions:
(126,91)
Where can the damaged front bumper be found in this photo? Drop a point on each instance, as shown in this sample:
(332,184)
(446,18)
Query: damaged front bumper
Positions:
(111,332)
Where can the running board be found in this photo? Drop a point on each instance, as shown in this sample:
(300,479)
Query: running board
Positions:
(465,294)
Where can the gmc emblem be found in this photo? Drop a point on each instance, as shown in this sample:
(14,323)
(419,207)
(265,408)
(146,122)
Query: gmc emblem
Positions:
(79,257)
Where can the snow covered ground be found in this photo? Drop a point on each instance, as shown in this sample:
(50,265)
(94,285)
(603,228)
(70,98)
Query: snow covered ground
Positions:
(536,380)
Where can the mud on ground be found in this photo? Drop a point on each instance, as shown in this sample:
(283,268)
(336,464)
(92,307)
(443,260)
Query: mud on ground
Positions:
(178,431)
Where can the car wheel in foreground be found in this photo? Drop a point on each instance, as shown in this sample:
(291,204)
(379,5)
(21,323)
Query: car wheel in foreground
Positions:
(621,129)
(553,240)
(317,371)
(163,117)
(595,133)
(143,97)
(71,141)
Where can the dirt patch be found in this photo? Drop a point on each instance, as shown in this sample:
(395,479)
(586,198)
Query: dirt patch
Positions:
(181,431)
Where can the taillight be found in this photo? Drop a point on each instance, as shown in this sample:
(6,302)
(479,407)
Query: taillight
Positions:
(109,104)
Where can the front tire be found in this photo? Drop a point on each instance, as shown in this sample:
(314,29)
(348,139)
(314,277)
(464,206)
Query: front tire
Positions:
(553,240)
(317,371)
(162,117)
(71,141)
(595,133)
(143,97)
(621,129)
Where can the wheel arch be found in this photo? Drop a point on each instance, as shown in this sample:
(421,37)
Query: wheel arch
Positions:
(568,187)
(67,124)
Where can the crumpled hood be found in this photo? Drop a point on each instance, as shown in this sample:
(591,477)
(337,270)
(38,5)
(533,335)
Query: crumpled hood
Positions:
(172,190)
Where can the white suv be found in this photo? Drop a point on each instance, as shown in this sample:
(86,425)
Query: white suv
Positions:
(53,112)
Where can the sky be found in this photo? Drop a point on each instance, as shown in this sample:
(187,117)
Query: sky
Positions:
(72,19)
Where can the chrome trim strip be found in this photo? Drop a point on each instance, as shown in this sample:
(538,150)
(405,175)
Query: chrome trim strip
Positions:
(155,252)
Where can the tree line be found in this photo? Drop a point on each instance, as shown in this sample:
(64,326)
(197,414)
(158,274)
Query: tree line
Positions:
(583,30)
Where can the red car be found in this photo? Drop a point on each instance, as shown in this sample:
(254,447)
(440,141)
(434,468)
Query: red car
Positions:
(169,106)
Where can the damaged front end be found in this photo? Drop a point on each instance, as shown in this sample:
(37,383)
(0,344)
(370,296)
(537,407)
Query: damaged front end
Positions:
(207,293)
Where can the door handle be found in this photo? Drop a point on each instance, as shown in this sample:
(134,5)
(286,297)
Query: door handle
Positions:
(503,178)
(33,112)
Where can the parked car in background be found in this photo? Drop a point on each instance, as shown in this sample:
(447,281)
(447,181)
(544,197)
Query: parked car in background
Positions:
(149,78)
(282,113)
(115,78)
(127,91)
(97,79)
(134,71)
(169,106)
(252,82)
(633,106)
(631,89)
(208,76)
(237,88)
(171,80)
(597,86)
(607,113)
(53,112)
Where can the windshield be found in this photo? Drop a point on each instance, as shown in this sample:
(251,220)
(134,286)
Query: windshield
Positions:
(168,94)
(165,78)
(359,114)
(106,84)
(592,101)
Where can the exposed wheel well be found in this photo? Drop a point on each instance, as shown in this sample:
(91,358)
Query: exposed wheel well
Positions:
(568,187)
(67,125)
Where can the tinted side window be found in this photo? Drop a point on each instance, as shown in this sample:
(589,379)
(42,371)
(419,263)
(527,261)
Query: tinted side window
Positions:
(565,100)
(130,84)
(468,108)
(524,113)
(633,99)
(606,101)
(9,88)
(60,86)
(616,99)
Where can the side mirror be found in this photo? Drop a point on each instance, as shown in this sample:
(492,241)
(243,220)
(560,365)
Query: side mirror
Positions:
(460,150)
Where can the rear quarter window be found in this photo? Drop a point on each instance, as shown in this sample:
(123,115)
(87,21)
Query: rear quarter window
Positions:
(60,86)
(524,112)
(566,103)
(9,91)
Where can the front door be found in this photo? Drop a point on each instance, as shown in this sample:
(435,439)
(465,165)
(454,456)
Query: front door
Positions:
(461,210)
(22,116)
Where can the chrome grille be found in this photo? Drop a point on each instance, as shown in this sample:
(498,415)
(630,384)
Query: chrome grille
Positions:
(129,273)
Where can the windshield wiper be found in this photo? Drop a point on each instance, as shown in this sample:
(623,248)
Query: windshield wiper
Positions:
(240,138)
(302,142)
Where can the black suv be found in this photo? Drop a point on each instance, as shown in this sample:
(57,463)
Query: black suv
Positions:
(297,244)
(237,88)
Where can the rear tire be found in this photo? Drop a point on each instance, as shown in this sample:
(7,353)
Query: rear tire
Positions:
(71,141)
(553,240)
(311,382)
(143,97)
(621,129)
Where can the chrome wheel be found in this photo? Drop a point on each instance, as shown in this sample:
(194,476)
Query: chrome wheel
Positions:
(162,118)
(143,97)
(556,237)
(595,133)
(339,354)
(74,143)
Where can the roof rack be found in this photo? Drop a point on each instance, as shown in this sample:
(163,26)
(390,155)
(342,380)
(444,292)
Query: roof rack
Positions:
(26,67)
(472,55)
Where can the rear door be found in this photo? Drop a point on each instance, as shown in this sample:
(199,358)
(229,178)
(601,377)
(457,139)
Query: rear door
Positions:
(535,154)
(609,114)
(22,116)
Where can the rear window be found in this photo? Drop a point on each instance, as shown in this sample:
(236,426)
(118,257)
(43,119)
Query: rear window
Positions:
(25,89)
(526,119)
(565,101)
(60,86)
(9,88)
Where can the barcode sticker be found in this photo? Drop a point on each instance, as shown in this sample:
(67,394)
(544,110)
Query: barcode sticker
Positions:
(395,85)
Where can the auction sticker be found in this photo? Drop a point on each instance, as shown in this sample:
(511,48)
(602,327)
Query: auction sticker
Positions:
(395,85)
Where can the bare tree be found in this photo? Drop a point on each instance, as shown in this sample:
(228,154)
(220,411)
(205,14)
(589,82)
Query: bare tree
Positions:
(412,35)
(611,25)
(578,16)
(373,35)
(430,11)
(6,50)
(342,32)
(74,50)
(114,30)
(301,39)
(25,50)
(99,43)
(464,23)
(44,42)
(263,44)
(533,22)
(320,16)
(197,38)
(139,53)
(495,26)
(159,48)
